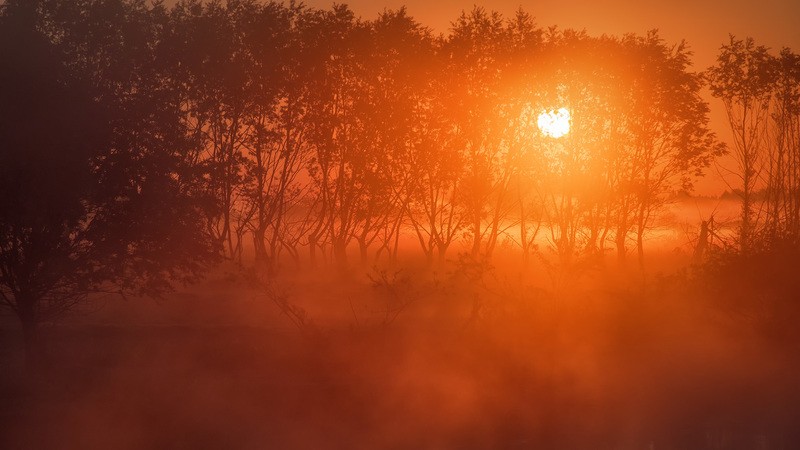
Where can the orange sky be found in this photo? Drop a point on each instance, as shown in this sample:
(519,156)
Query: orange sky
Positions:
(704,24)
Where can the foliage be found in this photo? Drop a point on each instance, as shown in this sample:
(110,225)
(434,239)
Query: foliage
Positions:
(97,192)
(760,95)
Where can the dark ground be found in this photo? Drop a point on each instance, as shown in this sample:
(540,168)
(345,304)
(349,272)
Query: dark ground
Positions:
(463,367)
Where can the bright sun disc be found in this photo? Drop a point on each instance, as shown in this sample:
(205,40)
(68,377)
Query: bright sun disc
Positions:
(554,123)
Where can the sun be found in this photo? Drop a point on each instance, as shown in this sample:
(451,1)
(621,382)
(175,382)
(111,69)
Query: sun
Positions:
(554,123)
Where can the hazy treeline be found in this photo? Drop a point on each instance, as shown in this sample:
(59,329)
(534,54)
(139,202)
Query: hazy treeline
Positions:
(140,142)
(761,94)
(313,131)
(321,132)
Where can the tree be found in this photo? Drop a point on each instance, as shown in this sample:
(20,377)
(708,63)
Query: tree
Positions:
(212,53)
(436,164)
(96,195)
(275,150)
(577,188)
(478,55)
(783,183)
(396,72)
(743,79)
(667,120)
(332,37)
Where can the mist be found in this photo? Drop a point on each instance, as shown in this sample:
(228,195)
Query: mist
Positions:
(472,361)
(251,224)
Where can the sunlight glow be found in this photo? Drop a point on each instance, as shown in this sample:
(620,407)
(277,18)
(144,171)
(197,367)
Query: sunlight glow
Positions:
(554,123)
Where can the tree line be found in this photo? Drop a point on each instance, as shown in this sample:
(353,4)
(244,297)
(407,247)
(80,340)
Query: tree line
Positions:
(761,95)
(141,143)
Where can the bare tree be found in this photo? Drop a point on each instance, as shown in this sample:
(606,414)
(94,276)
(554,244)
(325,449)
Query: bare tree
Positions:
(743,78)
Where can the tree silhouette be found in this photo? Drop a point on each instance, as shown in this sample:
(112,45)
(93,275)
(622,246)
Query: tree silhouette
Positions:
(784,162)
(743,78)
(96,195)
(760,95)
(671,143)
(287,129)
(393,91)
(477,55)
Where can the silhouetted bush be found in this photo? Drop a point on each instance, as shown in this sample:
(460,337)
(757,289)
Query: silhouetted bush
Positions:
(761,288)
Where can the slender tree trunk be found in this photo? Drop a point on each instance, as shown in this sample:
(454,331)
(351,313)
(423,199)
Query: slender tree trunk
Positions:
(442,254)
(641,225)
(476,235)
(33,347)
(523,236)
(259,247)
(312,250)
(640,246)
(340,253)
(622,234)
(363,250)
(32,339)
(747,213)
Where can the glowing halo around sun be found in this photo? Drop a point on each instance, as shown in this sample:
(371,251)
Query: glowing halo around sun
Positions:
(554,123)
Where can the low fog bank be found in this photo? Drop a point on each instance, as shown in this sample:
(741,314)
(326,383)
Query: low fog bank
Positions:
(468,356)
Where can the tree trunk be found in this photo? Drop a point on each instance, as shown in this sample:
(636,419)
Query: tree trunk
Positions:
(620,241)
(363,250)
(312,250)
(259,247)
(340,253)
(641,226)
(32,341)
(640,247)
(744,232)
(476,235)
(442,254)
